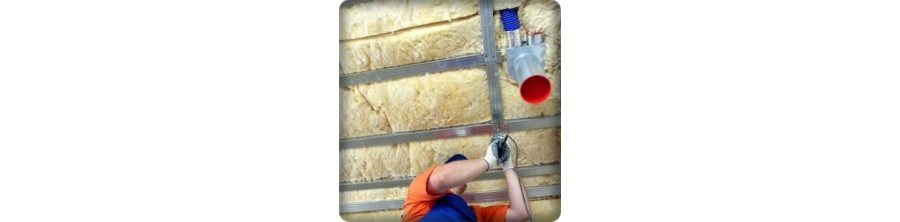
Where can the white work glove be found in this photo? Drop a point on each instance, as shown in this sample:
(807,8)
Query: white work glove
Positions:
(491,156)
(508,164)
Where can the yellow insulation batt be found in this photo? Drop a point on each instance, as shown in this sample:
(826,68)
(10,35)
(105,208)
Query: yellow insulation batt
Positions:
(439,41)
(375,162)
(542,210)
(358,118)
(431,101)
(428,101)
(537,146)
(385,16)
(379,17)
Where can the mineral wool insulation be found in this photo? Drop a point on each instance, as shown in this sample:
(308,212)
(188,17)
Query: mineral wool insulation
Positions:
(381,34)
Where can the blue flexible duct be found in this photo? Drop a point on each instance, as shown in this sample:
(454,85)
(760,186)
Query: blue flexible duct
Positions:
(510,18)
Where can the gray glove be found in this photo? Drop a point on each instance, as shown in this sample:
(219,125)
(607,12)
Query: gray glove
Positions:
(498,151)
(503,151)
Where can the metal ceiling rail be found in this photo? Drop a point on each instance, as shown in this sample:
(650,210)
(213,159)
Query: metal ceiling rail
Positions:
(393,138)
(486,11)
(492,174)
(533,123)
(413,69)
(498,195)
(444,133)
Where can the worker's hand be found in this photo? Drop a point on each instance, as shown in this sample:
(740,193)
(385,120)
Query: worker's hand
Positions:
(491,156)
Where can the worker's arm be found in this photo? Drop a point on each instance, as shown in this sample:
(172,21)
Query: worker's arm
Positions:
(455,174)
(517,197)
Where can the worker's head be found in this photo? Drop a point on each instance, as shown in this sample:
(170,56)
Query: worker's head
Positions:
(458,189)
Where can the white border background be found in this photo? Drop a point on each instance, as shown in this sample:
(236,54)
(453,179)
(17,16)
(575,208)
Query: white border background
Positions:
(214,111)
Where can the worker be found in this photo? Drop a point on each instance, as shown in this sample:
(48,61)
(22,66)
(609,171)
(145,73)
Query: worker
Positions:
(437,193)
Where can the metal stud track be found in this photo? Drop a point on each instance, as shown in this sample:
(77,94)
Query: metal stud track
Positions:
(490,175)
(498,195)
(444,133)
(486,11)
(413,69)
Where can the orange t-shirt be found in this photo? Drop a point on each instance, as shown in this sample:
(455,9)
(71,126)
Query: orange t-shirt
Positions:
(419,201)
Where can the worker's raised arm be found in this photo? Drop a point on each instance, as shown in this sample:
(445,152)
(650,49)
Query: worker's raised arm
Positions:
(457,173)
(454,174)
(519,206)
